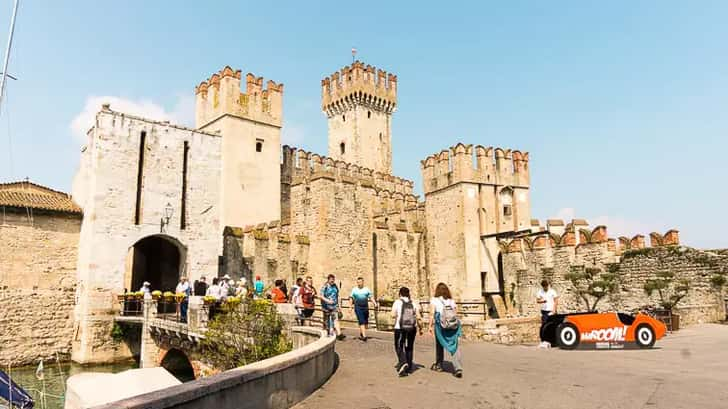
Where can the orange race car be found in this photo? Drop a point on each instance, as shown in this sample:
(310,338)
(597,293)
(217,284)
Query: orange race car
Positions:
(605,330)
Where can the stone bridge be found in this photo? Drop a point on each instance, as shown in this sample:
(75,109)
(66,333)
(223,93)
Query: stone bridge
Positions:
(171,344)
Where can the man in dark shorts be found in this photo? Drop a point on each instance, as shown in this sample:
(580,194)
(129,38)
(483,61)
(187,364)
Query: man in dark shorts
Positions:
(360,297)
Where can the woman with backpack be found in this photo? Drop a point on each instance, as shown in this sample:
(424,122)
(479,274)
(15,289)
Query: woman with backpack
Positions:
(445,325)
(405,314)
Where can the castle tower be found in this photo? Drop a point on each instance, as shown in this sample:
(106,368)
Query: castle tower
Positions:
(473,196)
(250,126)
(359,102)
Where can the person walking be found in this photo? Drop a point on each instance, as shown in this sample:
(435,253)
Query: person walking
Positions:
(214,291)
(549,300)
(406,315)
(183,288)
(258,286)
(241,291)
(330,306)
(277,294)
(446,327)
(200,287)
(308,296)
(296,299)
(360,298)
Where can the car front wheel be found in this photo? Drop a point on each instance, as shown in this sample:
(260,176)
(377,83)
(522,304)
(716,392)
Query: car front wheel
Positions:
(644,336)
(567,336)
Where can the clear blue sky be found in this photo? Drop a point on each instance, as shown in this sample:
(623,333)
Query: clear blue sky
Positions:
(622,105)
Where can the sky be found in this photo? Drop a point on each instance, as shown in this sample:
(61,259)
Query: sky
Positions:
(622,105)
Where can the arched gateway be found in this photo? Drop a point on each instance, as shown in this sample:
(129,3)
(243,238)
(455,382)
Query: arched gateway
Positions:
(159,259)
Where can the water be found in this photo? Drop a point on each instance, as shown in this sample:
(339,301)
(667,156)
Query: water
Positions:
(55,380)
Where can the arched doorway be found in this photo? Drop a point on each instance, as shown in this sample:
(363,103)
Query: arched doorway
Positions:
(177,363)
(158,259)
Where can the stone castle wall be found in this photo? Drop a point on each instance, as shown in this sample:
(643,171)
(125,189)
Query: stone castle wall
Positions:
(109,187)
(527,262)
(37,285)
(339,219)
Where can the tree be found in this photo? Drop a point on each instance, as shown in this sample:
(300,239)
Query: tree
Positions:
(248,333)
(669,290)
(591,284)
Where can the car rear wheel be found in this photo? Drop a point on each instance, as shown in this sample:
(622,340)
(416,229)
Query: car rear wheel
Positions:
(644,336)
(567,336)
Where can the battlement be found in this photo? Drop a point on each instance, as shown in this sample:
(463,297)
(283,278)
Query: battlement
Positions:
(221,94)
(358,84)
(300,166)
(479,164)
(573,238)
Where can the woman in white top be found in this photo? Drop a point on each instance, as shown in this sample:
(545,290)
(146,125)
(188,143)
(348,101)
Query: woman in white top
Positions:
(442,313)
(405,313)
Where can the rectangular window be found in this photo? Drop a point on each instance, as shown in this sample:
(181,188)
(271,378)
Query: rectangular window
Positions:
(507,210)
(140,179)
(259,145)
(183,216)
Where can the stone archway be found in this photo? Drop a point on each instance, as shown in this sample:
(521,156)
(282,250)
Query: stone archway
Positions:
(177,363)
(158,259)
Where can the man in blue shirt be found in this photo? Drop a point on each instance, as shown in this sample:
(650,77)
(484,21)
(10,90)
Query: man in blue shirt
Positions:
(330,307)
(360,297)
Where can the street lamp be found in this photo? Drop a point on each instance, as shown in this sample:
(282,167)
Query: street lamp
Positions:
(164,221)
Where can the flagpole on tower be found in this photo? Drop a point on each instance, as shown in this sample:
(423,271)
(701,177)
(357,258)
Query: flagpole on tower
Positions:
(353,55)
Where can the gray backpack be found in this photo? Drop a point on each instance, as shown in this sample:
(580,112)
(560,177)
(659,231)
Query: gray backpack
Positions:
(408,318)
(448,318)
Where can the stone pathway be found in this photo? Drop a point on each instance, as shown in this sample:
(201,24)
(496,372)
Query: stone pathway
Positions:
(688,369)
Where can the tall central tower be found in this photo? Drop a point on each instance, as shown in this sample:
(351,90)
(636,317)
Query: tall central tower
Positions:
(359,102)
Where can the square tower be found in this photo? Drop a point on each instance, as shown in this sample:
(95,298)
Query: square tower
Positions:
(473,196)
(359,102)
(250,126)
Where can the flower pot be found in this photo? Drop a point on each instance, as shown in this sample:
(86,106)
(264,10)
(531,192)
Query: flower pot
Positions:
(675,321)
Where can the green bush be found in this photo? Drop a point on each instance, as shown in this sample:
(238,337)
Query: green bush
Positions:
(245,335)
(591,284)
(117,332)
(669,290)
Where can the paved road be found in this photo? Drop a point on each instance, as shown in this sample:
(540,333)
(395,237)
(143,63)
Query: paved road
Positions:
(688,369)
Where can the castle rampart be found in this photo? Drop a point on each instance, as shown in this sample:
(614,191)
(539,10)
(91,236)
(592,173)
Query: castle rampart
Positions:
(465,163)
(221,94)
(358,85)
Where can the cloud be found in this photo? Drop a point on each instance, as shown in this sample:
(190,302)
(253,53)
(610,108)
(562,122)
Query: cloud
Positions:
(182,113)
(616,224)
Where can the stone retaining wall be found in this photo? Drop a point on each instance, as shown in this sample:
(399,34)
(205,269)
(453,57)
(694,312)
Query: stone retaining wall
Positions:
(278,382)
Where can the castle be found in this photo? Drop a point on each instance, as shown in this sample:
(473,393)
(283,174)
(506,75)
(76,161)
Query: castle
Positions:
(161,201)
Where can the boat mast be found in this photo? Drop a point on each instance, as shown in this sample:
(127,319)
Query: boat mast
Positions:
(7,53)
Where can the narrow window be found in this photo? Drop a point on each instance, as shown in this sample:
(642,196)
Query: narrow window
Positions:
(140,178)
(343,118)
(369,114)
(183,216)
(342,146)
(259,145)
(507,210)
(380,136)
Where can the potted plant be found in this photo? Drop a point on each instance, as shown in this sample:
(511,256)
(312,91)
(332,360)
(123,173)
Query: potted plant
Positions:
(168,296)
(670,292)
(179,297)
(156,294)
(208,300)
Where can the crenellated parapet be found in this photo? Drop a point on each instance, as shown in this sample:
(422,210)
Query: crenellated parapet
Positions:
(300,166)
(358,84)
(588,237)
(476,164)
(221,95)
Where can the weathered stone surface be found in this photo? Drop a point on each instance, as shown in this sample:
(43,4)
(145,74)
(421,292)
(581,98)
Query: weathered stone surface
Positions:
(37,285)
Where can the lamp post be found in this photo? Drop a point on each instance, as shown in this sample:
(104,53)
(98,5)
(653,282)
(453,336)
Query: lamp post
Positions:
(164,221)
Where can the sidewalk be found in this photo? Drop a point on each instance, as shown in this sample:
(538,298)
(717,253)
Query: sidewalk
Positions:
(688,369)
